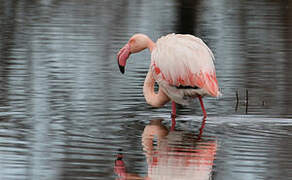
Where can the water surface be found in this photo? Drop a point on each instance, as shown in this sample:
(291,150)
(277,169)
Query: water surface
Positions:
(66,111)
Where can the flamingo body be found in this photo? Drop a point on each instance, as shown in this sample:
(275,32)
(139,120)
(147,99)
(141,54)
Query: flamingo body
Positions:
(179,61)
(182,65)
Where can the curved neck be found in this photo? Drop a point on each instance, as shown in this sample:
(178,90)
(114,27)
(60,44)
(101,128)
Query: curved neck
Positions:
(139,42)
(153,98)
(150,45)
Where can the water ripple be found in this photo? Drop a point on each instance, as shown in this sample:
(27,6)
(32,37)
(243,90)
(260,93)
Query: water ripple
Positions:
(66,111)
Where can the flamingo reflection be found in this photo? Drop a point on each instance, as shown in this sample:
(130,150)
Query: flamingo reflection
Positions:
(176,155)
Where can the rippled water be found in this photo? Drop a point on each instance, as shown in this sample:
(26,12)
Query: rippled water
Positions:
(66,112)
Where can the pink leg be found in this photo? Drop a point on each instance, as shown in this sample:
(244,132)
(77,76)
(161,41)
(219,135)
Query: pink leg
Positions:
(172,123)
(202,105)
(173,115)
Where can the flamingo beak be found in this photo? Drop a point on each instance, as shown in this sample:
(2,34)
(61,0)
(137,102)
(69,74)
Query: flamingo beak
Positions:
(122,57)
(122,69)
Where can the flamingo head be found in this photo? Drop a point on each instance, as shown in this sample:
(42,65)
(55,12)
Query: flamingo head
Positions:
(137,43)
(123,56)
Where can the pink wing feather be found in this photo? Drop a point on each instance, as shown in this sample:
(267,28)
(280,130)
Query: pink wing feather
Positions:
(184,60)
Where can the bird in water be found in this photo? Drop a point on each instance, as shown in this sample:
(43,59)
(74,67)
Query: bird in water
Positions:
(182,66)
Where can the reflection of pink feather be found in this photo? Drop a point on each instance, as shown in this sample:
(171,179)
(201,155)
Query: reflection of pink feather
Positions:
(176,155)
(179,163)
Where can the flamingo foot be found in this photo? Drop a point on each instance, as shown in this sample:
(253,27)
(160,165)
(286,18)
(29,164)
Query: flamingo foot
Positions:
(172,123)
(202,105)
(173,115)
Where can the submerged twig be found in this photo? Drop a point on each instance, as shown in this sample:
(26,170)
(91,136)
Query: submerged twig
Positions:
(237,100)
(246,101)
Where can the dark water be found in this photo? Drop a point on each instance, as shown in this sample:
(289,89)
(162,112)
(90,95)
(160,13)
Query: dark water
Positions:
(66,111)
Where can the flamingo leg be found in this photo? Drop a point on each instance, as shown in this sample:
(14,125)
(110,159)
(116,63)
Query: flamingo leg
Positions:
(173,115)
(172,123)
(202,105)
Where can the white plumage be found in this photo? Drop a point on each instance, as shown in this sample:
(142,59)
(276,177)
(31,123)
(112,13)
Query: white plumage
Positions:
(183,60)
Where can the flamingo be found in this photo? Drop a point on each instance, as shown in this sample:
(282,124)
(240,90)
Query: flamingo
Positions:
(182,66)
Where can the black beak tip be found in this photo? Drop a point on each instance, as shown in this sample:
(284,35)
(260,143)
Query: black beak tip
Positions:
(122,69)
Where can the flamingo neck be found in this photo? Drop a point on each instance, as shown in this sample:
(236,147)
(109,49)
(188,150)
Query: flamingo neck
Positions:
(150,45)
(139,42)
(153,98)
